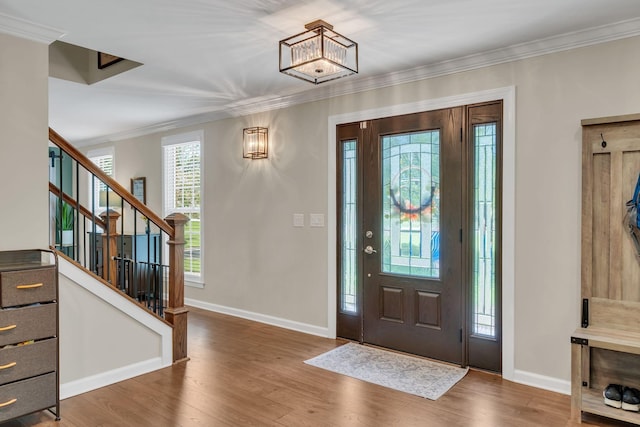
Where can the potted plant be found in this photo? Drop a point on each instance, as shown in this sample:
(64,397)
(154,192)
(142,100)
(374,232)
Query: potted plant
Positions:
(65,221)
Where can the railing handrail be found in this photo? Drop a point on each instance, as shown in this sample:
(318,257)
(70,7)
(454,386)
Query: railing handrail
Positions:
(53,189)
(109,181)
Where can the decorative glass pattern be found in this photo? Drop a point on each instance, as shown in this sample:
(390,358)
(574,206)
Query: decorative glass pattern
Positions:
(484,229)
(349,267)
(411,204)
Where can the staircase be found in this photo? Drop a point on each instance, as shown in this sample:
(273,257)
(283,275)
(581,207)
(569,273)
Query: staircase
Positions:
(100,227)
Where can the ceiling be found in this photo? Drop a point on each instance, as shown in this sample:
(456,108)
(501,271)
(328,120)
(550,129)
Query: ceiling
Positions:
(209,59)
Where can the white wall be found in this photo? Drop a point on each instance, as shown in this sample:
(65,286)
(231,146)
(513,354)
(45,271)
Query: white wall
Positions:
(258,265)
(23,126)
(104,337)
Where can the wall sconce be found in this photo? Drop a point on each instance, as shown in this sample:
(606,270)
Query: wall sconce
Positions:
(255,143)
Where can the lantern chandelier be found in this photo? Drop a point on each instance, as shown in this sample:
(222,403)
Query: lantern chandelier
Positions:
(319,54)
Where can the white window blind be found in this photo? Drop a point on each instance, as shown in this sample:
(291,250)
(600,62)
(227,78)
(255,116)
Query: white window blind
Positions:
(104,160)
(182,193)
(182,172)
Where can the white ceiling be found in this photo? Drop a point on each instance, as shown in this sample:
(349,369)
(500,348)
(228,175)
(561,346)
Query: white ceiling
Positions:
(208,59)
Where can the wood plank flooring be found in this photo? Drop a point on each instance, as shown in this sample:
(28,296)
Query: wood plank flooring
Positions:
(243,373)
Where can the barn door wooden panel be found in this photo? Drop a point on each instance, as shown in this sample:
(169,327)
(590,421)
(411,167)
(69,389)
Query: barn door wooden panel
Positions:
(611,164)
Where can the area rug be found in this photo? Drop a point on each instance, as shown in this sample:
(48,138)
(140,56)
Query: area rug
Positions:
(401,372)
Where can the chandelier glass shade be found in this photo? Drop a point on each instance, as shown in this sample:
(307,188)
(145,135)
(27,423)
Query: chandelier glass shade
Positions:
(319,54)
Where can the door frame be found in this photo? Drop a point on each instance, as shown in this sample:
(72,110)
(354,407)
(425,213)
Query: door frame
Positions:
(508,97)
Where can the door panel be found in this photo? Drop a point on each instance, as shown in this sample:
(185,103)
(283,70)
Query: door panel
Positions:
(428,307)
(412,206)
(484,331)
(392,304)
(349,292)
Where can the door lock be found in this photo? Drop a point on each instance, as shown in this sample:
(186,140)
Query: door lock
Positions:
(368,234)
(369,250)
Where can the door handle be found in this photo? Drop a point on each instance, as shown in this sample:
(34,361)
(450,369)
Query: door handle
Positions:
(369,250)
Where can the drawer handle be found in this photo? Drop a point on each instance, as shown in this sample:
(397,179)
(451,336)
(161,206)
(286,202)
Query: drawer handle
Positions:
(7,328)
(8,402)
(8,365)
(35,285)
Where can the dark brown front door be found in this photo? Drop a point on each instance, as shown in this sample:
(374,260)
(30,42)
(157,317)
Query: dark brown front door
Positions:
(419,231)
(412,225)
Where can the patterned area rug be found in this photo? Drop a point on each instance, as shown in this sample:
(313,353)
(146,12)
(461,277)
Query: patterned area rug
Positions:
(409,374)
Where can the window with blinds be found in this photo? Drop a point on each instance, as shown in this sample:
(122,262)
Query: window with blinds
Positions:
(182,193)
(104,160)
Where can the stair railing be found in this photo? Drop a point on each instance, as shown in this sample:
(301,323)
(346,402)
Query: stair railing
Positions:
(100,225)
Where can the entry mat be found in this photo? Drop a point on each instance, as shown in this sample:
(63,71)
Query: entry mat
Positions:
(401,372)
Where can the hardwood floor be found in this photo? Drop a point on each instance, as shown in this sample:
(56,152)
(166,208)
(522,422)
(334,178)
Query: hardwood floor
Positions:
(243,373)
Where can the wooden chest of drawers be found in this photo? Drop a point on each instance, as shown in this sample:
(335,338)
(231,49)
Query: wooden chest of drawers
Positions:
(29,367)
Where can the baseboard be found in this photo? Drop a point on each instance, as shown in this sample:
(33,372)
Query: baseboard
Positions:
(261,318)
(103,379)
(541,381)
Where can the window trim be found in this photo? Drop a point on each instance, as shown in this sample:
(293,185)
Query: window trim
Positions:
(182,138)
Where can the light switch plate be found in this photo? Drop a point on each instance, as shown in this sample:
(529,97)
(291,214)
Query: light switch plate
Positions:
(298,220)
(316,220)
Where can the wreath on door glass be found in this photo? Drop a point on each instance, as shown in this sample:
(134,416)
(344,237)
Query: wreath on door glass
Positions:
(401,192)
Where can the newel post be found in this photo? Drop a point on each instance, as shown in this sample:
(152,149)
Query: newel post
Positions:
(176,313)
(110,246)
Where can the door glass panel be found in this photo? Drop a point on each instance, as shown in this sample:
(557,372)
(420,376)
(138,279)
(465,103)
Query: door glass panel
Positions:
(484,217)
(349,243)
(410,194)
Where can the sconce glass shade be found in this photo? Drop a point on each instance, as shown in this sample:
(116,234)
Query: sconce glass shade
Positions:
(255,143)
(318,55)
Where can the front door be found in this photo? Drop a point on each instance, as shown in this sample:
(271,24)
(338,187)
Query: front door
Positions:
(419,219)
(412,224)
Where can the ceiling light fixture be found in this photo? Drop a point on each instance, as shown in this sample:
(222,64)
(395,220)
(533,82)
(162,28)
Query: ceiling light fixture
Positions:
(319,54)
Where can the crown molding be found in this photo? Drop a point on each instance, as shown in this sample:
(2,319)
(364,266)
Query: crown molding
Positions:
(352,85)
(549,45)
(563,42)
(154,128)
(28,30)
